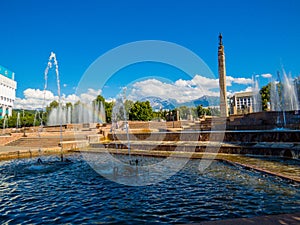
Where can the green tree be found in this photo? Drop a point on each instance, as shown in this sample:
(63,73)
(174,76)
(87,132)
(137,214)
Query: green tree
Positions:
(210,111)
(141,111)
(184,111)
(26,119)
(128,105)
(214,111)
(201,111)
(53,104)
(69,104)
(108,110)
(99,99)
(265,96)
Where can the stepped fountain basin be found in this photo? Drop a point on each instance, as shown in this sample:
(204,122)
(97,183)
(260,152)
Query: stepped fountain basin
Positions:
(229,136)
(284,143)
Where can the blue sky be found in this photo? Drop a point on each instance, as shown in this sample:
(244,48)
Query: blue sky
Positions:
(260,36)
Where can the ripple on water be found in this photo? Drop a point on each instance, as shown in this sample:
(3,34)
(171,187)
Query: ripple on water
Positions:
(74,193)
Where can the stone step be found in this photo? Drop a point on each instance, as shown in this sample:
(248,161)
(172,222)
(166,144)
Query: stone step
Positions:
(38,142)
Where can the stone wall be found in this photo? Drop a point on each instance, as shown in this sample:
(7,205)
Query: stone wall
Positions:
(229,136)
(270,143)
(154,124)
(264,121)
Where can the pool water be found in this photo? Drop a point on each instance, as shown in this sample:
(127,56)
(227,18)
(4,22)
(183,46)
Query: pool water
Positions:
(74,193)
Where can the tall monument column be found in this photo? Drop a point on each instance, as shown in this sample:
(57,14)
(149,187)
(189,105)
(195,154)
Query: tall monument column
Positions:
(222,79)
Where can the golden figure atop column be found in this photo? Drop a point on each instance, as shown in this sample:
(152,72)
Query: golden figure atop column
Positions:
(222,79)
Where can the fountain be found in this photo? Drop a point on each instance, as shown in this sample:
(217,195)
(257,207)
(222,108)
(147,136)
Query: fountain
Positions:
(283,98)
(5,124)
(102,112)
(125,121)
(290,100)
(283,94)
(274,97)
(18,120)
(53,61)
(119,119)
(256,95)
(79,113)
(35,118)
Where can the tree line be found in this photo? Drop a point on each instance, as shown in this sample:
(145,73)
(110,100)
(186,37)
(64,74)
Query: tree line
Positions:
(135,111)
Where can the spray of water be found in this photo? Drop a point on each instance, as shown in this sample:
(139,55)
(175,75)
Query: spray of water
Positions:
(53,61)
(257,106)
(18,120)
(290,100)
(5,123)
(283,94)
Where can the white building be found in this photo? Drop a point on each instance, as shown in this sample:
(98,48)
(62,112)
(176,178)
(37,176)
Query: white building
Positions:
(7,91)
(241,103)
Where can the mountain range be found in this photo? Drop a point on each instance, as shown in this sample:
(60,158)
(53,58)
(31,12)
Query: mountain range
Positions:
(159,103)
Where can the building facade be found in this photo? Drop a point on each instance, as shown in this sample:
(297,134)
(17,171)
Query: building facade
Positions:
(8,87)
(241,103)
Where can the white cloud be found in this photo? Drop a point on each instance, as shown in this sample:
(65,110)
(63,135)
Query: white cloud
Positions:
(70,98)
(34,98)
(198,81)
(89,96)
(182,90)
(266,75)
(247,89)
(204,82)
(110,100)
(38,94)
(37,99)
(239,80)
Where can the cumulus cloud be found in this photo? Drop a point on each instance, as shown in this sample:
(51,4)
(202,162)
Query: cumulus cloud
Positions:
(90,95)
(198,81)
(37,99)
(239,80)
(34,98)
(38,94)
(182,90)
(266,75)
(247,89)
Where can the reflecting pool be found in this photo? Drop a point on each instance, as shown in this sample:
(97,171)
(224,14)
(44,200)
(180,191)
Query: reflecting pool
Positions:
(75,193)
